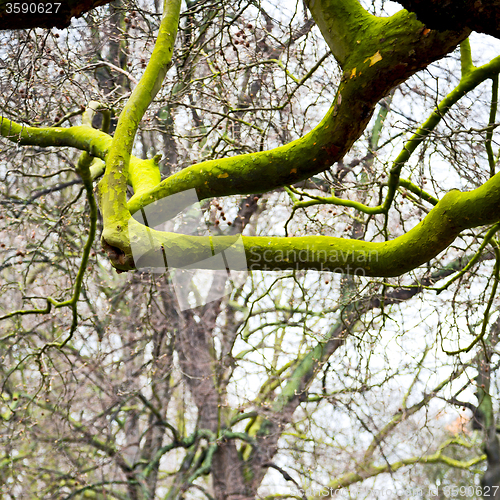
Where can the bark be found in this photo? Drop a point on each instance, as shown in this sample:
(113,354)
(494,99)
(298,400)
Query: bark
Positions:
(482,16)
(199,367)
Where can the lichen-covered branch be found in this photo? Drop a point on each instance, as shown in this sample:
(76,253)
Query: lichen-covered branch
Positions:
(389,52)
(471,78)
(455,212)
(382,54)
(84,138)
(343,23)
(112,187)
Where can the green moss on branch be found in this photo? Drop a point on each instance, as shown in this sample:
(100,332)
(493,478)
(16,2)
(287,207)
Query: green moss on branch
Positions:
(343,23)
(392,50)
(471,78)
(454,213)
(112,188)
(84,138)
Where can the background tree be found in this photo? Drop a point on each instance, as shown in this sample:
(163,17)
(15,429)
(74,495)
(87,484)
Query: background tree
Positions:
(298,383)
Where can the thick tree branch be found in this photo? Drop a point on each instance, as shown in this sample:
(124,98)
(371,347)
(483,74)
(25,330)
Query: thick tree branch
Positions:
(391,51)
(482,16)
(455,212)
(112,187)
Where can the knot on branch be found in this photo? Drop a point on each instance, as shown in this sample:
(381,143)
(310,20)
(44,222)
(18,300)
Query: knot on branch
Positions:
(120,259)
